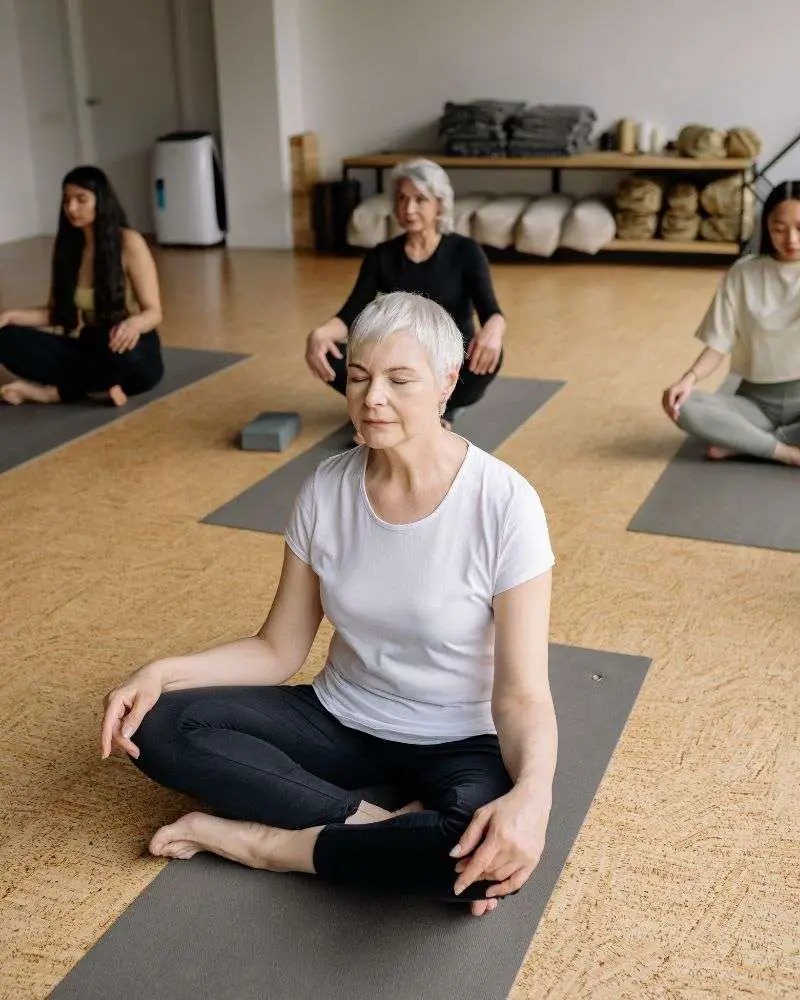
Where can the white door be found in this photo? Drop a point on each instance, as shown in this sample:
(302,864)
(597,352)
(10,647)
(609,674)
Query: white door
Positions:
(130,92)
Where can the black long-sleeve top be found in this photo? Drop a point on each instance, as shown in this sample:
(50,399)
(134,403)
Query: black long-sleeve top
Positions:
(456,276)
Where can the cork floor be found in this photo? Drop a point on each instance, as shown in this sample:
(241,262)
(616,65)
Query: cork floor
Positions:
(684,881)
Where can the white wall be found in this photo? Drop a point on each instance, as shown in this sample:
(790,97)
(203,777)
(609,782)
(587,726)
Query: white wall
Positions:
(289,69)
(49,102)
(376,74)
(254,161)
(196,65)
(38,120)
(19,210)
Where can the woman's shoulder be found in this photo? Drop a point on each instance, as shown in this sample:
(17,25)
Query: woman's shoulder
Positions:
(748,265)
(332,472)
(388,248)
(499,480)
(132,238)
(133,243)
(464,249)
(460,243)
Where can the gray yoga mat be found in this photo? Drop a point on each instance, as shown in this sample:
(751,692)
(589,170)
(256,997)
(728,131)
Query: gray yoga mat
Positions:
(30,430)
(209,928)
(740,501)
(508,403)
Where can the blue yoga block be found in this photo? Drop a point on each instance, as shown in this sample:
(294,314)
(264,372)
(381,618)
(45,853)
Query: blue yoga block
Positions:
(271,432)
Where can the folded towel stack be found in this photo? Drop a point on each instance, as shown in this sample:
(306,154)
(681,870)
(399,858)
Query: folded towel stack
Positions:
(551,130)
(476,128)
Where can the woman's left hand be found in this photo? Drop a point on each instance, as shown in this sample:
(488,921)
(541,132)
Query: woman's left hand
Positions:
(124,337)
(503,843)
(483,352)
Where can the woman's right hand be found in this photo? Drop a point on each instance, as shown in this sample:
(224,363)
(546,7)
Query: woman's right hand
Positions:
(677,394)
(126,706)
(320,343)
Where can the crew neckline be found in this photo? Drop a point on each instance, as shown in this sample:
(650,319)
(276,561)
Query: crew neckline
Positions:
(427,260)
(411,525)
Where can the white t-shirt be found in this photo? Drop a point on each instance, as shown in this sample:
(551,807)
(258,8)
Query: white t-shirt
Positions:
(412,656)
(755,317)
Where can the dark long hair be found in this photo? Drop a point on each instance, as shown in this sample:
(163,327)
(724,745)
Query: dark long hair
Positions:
(109,276)
(785,191)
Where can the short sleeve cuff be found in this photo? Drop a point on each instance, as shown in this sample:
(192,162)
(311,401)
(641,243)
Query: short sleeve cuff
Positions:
(716,341)
(509,581)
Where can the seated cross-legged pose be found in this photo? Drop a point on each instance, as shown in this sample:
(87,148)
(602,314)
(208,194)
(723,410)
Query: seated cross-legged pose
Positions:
(104,298)
(428,258)
(432,561)
(755,317)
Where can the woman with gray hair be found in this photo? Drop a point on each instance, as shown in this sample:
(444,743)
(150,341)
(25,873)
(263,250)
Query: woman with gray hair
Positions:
(432,561)
(428,258)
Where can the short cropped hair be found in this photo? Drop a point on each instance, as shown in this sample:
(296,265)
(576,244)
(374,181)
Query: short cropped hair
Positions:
(432,181)
(427,321)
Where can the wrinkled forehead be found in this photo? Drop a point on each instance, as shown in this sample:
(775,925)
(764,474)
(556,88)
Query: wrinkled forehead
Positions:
(412,188)
(391,350)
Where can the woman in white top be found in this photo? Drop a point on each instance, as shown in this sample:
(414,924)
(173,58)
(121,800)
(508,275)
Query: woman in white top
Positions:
(754,318)
(432,561)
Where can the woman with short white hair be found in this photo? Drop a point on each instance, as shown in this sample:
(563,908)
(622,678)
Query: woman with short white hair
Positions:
(428,258)
(432,561)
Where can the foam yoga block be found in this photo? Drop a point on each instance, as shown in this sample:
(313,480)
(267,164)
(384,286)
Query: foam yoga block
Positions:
(270,432)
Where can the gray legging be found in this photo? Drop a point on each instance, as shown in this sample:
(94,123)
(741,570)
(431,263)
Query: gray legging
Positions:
(752,422)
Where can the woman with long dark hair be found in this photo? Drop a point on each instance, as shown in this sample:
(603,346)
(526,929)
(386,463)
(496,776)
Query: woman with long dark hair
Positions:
(104,301)
(754,318)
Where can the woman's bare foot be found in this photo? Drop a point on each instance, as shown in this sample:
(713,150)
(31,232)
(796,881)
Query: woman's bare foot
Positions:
(787,454)
(718,454)
(117,395)
(21,391)
(367,812)
(256,845)
(481,906)
(413,807)
(251,844)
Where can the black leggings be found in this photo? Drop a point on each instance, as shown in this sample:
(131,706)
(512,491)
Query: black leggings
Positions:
(469,388)
(77,366)
(274,755)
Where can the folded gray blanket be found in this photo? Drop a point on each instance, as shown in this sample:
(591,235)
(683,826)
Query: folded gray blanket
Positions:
(558,112)
(568,149)
(486,112)
(474,147)
(497,128)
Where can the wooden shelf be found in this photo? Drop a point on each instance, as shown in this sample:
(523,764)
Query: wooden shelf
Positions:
(581,161)
(611,161)
(674,246)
